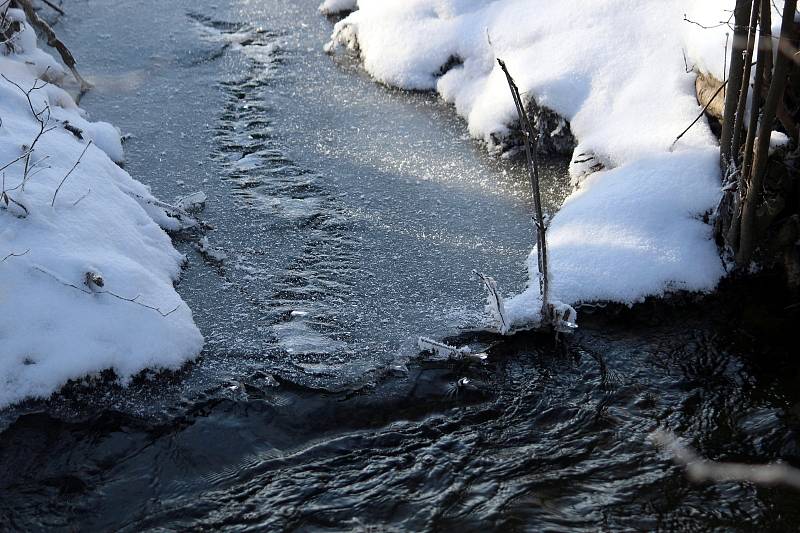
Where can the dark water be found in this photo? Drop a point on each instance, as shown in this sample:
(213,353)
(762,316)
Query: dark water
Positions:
(351,216)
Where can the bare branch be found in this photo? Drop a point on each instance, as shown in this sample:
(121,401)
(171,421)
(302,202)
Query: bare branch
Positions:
(12,254)
(53,202)
(23,156)
(134,300)
(699,116)
(531,139)
(82,197)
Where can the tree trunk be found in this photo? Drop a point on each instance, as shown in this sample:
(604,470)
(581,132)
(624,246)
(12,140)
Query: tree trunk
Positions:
(738,121)
(764,59)
(761,151)
(741,18)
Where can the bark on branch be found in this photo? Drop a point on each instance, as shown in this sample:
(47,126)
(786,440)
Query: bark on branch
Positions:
(531,140)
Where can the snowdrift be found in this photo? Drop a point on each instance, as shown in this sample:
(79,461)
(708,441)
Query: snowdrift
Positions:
(86,278)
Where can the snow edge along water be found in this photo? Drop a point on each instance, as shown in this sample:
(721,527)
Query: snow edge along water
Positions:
(638,227)
(86,283)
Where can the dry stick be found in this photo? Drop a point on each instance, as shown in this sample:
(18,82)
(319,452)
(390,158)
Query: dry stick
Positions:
(699,116)
(12,254)
(81,198)
(53,202)
(23,156)
(761,154)
(533,170)
(736,69)
(37,115)
(725,64)
(134,300)
(54,41)
(764,56)
(745,85)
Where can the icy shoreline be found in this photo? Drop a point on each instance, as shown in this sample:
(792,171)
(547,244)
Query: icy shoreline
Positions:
(616,71)
(86,280)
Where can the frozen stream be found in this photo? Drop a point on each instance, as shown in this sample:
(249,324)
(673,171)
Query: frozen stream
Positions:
(350,217)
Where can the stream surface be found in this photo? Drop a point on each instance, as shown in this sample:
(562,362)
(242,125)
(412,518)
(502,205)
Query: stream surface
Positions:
(345,220)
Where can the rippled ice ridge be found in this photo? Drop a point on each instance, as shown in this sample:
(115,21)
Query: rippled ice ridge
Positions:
(302,304)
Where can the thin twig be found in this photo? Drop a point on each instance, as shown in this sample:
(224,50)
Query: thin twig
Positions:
(12,254)
(81,198)
(24,155)
(38,116)
(705,107)
(134,300)
(53,202)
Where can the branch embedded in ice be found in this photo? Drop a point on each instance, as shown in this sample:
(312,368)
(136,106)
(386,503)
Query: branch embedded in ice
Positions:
(192,203)
(210,252)
(185,218)
(564,317)
(531,140)
(699,469)
(446,352)
(494,303)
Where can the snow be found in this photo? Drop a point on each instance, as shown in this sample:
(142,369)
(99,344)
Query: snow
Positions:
(333,7)
(89,286)
(615,69)
(777,140)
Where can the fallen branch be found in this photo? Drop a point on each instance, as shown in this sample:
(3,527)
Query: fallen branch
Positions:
(700,470)
(54,41)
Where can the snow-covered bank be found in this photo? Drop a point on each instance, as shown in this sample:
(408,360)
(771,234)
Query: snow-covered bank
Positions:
(87,272)
(615,69)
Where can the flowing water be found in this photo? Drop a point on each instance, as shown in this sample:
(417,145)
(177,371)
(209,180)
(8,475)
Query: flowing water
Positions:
(350,216)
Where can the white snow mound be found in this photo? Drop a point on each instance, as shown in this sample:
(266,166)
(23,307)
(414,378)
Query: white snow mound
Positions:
(86,284)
